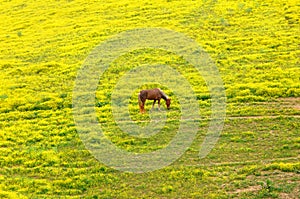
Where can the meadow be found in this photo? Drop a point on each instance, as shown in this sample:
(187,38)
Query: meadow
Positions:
(255,46)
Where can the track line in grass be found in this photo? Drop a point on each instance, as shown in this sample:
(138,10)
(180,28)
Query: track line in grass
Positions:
(229,118)
(247,162)
(263,117)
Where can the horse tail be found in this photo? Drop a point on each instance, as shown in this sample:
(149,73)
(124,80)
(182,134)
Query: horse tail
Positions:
(141,104)
(140,100)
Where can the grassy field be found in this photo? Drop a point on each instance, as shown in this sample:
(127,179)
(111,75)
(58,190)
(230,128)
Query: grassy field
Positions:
(254,44)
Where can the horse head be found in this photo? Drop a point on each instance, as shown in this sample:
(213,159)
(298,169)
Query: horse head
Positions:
(168,102)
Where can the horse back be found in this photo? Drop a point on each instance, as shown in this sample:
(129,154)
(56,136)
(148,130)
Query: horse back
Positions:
(151,94)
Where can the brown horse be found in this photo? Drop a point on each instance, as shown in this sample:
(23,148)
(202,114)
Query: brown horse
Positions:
(152,94)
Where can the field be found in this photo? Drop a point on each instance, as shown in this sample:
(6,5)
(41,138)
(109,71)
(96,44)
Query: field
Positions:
(255,47)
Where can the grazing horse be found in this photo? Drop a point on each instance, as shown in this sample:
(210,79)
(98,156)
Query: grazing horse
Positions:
(152,94)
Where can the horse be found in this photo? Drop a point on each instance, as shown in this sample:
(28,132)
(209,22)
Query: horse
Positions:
(152,94)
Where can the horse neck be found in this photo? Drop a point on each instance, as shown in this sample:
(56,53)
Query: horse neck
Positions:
(163,95)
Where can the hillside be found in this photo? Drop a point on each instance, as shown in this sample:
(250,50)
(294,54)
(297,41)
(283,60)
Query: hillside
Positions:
(254,46)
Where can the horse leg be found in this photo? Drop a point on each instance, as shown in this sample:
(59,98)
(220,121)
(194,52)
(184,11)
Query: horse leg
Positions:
(153,105)
(143,106)
(142,109)
(158,102)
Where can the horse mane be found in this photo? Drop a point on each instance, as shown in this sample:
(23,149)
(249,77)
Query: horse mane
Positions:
(163,95)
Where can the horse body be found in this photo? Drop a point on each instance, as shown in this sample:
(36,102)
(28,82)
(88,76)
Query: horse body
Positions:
(152,94)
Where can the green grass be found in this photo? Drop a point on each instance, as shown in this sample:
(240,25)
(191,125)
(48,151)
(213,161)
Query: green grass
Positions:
(255,46)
